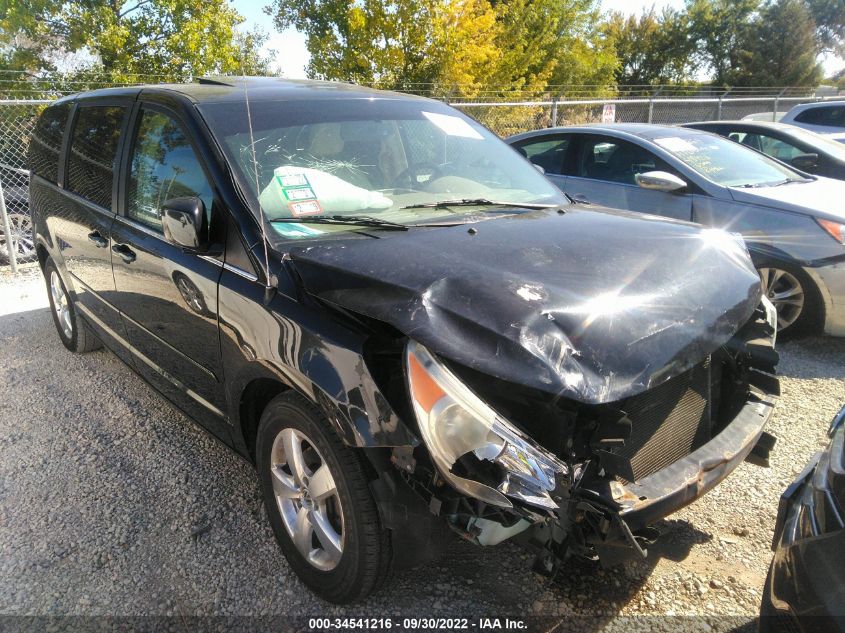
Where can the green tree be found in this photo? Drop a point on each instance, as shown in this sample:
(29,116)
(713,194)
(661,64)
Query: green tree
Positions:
(367,42)
(558,42)
(829,16)
(652,48)
(721,30)
(170,38)
(782,49)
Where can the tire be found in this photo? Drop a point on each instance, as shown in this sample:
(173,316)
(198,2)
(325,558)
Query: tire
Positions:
(787,285)
(73,331)
(345,515)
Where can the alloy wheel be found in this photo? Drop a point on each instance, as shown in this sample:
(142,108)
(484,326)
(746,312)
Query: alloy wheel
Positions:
(307,497)
(60,304)
(786,293)
(20,227)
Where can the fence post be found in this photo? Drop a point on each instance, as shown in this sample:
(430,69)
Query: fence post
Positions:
(721,97)
(651,102)
(777,103)
(554,111)
(7,231)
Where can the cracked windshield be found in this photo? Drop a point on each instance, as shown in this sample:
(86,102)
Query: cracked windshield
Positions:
(319,167)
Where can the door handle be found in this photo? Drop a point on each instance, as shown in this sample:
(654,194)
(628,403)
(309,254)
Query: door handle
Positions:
(124,252)
(580,198)
(98,240)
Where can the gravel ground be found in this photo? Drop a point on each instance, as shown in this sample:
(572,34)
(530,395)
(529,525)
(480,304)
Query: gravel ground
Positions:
(114,503)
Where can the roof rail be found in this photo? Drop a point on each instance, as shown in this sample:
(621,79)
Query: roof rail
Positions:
(215,81)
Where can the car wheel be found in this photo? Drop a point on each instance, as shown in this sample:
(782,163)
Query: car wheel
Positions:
(73,331)
(795,297)
(316,492)
(20,227)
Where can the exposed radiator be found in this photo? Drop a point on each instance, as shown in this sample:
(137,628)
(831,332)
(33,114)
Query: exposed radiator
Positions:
(669,421)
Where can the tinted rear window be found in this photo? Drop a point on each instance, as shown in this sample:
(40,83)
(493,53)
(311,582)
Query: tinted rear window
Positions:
(93,150)
(46,141)
(828,115)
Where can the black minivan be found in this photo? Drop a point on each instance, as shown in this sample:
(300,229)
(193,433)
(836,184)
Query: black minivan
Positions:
(399,320)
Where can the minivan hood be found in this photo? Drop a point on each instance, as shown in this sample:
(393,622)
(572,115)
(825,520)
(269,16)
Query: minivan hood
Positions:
(823,197)
(593,305)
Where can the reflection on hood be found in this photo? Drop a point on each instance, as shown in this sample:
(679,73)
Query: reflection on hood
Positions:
(595,306)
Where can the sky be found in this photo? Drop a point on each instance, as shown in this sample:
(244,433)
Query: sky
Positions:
(291,55)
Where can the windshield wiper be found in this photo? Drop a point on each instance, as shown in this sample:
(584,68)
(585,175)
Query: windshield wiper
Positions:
(356,220)
(788,181)
(478,202)
(761,185)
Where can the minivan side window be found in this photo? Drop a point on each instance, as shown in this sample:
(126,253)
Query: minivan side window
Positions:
(46,142)
(93,150)
(827,115)
(163,166)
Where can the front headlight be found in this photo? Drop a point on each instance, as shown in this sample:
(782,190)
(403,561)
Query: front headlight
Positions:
(454,422)
(834,229)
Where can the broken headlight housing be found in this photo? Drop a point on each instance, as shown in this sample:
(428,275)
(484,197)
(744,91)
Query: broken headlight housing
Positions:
(454,422)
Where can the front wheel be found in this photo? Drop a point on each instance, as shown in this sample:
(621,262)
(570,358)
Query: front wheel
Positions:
(318,500)
(794,296)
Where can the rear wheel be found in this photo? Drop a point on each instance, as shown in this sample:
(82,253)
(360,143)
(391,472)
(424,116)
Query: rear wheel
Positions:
(317,496)
(794,295)
(72,330)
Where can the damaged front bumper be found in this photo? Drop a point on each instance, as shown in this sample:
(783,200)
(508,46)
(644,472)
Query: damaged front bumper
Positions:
(666,491)
(602,504)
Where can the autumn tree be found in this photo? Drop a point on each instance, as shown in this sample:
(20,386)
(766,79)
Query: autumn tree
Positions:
(451,47)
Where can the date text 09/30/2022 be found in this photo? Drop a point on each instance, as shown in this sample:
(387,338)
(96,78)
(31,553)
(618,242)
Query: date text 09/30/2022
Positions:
(418,624)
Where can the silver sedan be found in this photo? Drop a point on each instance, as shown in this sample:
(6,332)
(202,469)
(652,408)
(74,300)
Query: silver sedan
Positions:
(793,223)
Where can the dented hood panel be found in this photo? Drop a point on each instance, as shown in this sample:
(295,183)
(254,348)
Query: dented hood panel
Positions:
(591,305)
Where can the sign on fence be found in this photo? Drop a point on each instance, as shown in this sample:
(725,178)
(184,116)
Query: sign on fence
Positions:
(608,113)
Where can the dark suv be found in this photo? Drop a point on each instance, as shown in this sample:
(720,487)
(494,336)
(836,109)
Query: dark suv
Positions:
(408,330)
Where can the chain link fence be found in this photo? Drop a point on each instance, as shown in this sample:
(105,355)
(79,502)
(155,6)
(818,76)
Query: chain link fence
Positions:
(510,118)
(18,116)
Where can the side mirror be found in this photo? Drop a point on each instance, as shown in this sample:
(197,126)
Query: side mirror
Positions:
(183,222)
(660,181)
(805,161)
(539,168)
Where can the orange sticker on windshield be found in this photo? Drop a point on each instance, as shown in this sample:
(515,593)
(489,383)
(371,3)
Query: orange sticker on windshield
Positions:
(308,207)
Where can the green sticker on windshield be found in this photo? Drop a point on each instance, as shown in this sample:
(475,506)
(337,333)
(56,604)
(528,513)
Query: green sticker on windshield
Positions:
(295,231)
(298,193)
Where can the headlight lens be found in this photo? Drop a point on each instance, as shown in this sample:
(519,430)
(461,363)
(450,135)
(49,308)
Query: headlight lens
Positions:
(453,422)
(835,229)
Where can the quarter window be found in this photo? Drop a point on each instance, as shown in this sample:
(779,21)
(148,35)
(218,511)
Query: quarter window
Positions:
(164,166)
(46,141)
(93,151)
